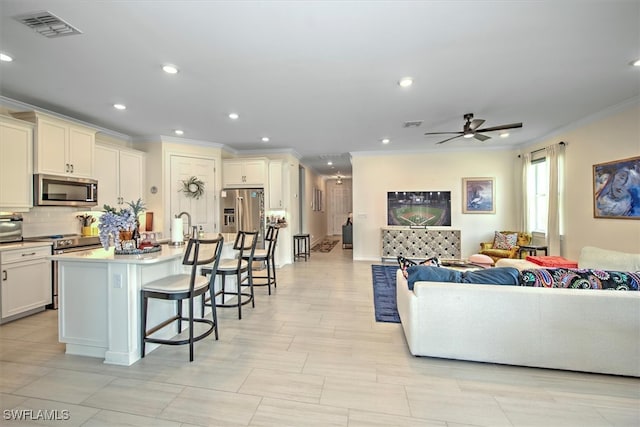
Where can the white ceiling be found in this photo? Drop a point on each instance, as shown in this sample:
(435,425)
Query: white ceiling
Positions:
(320,77)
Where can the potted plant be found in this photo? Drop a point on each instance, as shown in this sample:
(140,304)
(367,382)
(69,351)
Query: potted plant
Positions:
(118,225)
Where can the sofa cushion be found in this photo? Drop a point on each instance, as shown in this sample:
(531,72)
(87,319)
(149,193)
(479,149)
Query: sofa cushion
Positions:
(580,279)
(591,257)
(481,259)
(505,240)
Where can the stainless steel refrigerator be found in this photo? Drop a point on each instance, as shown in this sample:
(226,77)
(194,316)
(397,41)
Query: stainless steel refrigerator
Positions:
(243,209)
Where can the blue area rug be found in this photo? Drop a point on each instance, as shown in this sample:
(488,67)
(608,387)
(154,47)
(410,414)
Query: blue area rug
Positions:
(384,293)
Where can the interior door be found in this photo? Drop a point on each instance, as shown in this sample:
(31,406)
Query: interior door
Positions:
(203,210)
(340,206)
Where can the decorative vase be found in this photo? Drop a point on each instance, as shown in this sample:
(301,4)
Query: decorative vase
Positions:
(126,240)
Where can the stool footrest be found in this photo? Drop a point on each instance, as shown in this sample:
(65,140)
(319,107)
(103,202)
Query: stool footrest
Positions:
(203,335)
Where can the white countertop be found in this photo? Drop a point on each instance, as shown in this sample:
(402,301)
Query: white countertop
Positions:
(100,255)
(168,252)
(22,245)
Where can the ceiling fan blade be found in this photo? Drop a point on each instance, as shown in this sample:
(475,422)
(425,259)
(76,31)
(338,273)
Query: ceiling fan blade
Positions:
(475,124)
(449,139)
(442,133)
(503,127)
(481,137)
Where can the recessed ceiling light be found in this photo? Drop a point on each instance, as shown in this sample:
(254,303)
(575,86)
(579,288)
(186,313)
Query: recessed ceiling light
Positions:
(119,106)
(637,63)
(6,58)
(386,141)
(329,163)
(170,69)
(234,116)
(504,134)
(265,139)
(405,82)
(178,132)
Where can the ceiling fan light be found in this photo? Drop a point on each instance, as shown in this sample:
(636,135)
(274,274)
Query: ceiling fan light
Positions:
(119,106)
(504,134)
(5,58)
(170,69)
(636,63)
(386,140)
(405,82)
(467,135)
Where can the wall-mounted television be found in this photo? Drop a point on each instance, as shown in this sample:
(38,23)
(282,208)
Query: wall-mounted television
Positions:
(419,208)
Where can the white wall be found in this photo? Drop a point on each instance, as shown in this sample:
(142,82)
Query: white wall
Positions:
(613,136)
(616,136)
(315,223)
(375,175)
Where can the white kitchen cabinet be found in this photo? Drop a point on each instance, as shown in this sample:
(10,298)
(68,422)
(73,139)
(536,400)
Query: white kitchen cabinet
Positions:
(16,164)
(26,281)
(61,147)
(276,189)
(120,175)
(244,173)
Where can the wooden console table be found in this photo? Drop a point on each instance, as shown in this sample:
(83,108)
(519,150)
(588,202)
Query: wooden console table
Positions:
(420,243)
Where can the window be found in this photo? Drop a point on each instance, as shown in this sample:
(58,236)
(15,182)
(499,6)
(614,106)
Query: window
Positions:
(538,195)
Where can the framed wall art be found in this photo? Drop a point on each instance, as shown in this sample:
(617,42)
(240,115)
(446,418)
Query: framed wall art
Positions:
(478,195)
(616,189)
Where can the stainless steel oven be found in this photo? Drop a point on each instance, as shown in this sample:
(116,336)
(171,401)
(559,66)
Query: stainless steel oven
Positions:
(62,244)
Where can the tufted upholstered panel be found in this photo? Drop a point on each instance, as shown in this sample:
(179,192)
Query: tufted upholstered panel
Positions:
(420,243)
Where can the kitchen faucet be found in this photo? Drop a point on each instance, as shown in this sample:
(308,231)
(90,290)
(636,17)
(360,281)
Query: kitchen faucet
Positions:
(188,222)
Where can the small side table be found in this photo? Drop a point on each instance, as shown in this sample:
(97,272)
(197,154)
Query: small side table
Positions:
(531,250)
(301,246)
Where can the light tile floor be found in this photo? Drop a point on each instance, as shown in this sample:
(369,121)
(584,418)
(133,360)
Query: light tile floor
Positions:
(311,354)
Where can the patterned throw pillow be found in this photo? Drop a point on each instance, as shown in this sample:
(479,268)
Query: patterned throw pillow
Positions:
(504,241)
(574,278)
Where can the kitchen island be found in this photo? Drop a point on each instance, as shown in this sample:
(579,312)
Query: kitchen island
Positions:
(99,313)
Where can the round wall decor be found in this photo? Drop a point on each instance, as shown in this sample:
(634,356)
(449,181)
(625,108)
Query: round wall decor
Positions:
(193,187)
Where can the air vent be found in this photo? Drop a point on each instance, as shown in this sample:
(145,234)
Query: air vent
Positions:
(47,24)
(412,124)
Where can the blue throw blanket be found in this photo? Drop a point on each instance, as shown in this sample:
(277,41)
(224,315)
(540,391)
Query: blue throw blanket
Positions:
(492,276)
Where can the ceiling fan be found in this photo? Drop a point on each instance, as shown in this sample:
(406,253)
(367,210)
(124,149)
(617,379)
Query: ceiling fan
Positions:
(470,129)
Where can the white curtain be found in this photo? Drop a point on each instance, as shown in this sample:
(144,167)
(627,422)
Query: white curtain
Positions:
(523,220)
(555,159)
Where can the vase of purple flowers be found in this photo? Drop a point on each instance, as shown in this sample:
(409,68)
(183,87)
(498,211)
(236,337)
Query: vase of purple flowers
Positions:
(116,226)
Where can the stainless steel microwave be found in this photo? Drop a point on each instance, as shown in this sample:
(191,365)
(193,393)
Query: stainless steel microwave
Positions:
(53,190)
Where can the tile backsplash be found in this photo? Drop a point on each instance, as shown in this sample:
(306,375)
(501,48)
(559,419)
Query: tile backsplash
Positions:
(46,221)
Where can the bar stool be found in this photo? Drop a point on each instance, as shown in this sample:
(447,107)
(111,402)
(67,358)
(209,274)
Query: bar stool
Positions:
(245,244)
(180,287)
(268,257)
(301,246)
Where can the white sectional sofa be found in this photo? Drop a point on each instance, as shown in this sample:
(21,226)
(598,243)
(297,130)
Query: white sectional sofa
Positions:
(573,329)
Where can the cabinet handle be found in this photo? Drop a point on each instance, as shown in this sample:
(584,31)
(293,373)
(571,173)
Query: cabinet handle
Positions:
(66,169)
(71,168)
(31,254)
(4,275)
